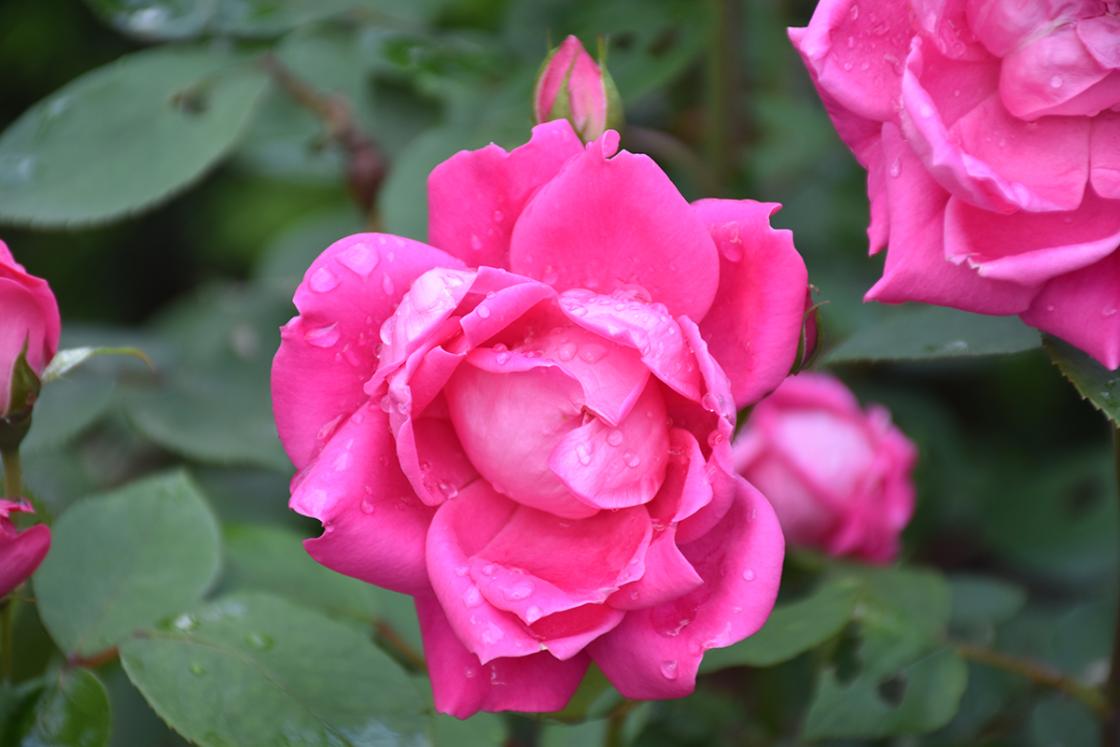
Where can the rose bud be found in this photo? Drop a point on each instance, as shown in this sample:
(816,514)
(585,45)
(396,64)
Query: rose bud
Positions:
(574,87)
(29,330)
(525,424)
(20,552)
(837,476)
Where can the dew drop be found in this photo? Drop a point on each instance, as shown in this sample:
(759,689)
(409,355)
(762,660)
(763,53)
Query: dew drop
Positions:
(632,460)
(1056,82)
(387,285)
(502,357)
(359,259)
(592,353)
(533,614)
(896,168)
(323,337)
(669,666)
(748,575)
(499,216)
(185,623)
(197,669)
(614,438)
(483,311)
(470,673)
(488,569)
(259,641)
(476,243)
(583,453)
(323,280)
(366,505)
(472,597)
(520,590)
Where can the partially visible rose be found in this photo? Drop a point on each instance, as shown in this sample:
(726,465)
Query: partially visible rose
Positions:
(20,552)
(28,320)
(526,425)
(837,476)
(990,131)
(574,87)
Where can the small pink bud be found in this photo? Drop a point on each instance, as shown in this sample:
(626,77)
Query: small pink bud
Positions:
(574,87)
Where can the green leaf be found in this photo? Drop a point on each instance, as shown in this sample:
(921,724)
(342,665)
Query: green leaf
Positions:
(930,333)
(67,407)
(124,560)
(66,361)
(792,629)
(71,710)
(1096,384)
(984,601)
(255,669)
(125,136)
(920,697)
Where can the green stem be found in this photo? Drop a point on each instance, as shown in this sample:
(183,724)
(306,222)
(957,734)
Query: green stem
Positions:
(6,640)
(1110,734)
(723,71)
(13,475)
(1036,673)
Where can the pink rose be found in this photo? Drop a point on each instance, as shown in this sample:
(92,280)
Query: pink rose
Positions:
(838,477)
(28,317)
(572,86)
(527,428)
(20,552)
(990,131)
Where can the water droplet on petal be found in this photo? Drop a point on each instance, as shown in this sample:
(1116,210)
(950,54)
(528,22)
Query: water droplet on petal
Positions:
(387,285)
(366,506)
(323,337)
(583,453)
(748,575)
(533,614)
(632,460)
(592,353)
(669,666)
(896,168)
(470,673)
(614,438)
(476,243)
(1056,81)
(483,311)
(520,590)
(472,597)
(359,259)
(323,280)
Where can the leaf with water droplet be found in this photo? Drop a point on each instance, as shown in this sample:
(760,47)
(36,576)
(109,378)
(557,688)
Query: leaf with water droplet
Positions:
(278,670)
(1093,381)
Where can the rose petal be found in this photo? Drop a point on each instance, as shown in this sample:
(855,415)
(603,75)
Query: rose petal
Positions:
(916,268)
(612,467)
(462,685)
(1083,309)
(1048,74)
(374,527)
(21,552)
(604,223)
(329,351)
(668,575)
(510,411)
(1031,248)
(754,326)
(476,196)
(655,653)
(1105,156)
(855,49)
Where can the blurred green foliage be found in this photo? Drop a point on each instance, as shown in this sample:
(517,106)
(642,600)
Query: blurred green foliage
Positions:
(173,200)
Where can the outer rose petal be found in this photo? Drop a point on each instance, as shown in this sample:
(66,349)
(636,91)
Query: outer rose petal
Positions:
(945,24)
(462,686)
(1050,74)
(329,351)
(20,552)
(855,50)
(1105,156)
(655,653)
(476,196)
(604,223)
(374,526)
(1083,308)
(981,153)
(1031,248)
(916,269)
(754,325)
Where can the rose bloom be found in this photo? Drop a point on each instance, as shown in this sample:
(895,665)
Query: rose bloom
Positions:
(20,552)
(837,476)
(990,131)
(28,317)
(526,424)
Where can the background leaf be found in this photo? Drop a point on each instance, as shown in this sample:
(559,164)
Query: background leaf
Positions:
(71,709)
(1096,383)
(255,669)
(125,136)
(122,561)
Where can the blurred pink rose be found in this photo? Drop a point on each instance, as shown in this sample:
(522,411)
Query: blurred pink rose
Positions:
(527,428)
(838,477)
(28,316)
(20,552)
(573,86)
(990,130)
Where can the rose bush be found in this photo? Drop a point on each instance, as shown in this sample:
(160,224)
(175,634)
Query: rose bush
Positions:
(837,476)
(28,319)
(20,552)
(990,130)
(526,424)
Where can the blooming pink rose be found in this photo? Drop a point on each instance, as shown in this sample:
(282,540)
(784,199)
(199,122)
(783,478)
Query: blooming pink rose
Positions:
(20,552)
(28,316)
(838,477)
(572,86)
(527,428)
(990,131)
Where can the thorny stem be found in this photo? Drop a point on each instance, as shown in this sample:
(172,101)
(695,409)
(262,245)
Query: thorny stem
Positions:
(366,165)
(1110,734)
(1036,673)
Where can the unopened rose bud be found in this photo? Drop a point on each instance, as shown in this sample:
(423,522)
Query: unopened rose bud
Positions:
(574,87)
